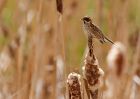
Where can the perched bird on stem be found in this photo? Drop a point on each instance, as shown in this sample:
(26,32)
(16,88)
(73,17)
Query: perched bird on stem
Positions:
(94,31)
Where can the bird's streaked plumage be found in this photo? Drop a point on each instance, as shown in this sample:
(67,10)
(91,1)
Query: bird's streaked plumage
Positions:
(93,30)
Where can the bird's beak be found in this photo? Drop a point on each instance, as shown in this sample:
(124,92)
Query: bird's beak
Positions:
(81,19)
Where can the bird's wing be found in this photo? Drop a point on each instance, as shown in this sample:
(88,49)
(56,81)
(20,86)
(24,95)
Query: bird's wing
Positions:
(97,32)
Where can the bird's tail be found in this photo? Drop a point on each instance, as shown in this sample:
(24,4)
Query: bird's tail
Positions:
(109,40)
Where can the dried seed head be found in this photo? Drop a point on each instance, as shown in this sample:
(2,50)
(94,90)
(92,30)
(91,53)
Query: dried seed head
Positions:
(74,86)
(59,4)
(92,73)
(136,79)
(73,77)
(115,58)
(5,60)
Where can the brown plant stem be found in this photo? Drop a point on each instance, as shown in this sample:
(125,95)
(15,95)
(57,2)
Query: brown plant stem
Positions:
(91,72)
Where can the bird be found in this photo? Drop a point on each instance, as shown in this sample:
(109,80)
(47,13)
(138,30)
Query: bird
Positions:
(93,31)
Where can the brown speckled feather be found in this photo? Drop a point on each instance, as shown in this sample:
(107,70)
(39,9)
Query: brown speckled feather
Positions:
(94,31)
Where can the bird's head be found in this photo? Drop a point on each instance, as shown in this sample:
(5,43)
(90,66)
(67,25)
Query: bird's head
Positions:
(86,19)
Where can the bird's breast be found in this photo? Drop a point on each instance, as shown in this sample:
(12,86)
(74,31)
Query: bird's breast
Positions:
(87,28)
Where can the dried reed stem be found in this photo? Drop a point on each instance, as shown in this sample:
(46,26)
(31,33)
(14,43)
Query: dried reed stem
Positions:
(91,72)
(136,56)
(59,29)
(2,4)
(134,68)
(60,46)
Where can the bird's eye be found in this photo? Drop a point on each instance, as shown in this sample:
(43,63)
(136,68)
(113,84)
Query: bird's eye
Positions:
(86,19)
